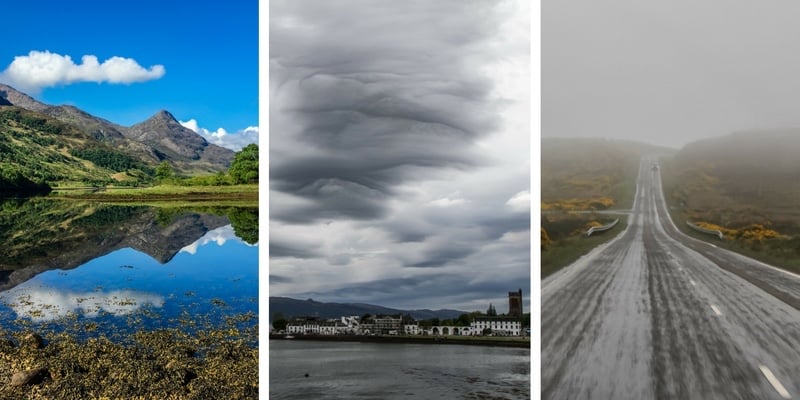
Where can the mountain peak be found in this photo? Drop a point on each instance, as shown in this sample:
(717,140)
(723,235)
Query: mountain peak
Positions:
(164,115)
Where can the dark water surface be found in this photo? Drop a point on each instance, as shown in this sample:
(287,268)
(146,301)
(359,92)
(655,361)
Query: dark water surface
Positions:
(347,370)
(117,269)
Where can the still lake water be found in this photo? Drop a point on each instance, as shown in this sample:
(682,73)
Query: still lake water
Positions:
(121,269)
(347,370)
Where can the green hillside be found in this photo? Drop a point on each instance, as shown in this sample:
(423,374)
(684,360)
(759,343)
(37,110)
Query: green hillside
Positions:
(746,185)
(590,174)
(579,177)
(36,149)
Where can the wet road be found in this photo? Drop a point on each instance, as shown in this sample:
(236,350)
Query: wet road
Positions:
(655,314)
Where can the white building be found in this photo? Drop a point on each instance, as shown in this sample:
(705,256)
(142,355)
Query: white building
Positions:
(412,329)
(313,326)
(303,326)
(500,326)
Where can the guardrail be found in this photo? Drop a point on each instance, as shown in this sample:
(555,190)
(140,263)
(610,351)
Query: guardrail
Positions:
(707,231)
(601,228)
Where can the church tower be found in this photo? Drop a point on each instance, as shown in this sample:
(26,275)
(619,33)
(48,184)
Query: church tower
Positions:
(515,303)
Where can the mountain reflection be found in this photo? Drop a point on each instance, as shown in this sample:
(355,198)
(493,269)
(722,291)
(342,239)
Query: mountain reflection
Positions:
(218,236)
(42,234)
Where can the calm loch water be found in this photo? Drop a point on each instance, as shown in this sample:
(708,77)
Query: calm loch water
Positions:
(346,370)
(117,269)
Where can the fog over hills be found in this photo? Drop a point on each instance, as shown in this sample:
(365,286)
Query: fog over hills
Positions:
(758,171)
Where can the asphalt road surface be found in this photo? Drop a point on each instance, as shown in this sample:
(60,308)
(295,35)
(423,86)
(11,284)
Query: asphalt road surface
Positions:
(655,314)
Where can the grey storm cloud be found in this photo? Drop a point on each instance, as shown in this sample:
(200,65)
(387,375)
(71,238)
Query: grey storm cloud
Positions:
(368,95)
(279,249)
(396,292)
(279,279)
(398,137)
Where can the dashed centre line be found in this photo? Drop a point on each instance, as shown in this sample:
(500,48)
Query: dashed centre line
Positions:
(775,382)
(693,284)
(716,310)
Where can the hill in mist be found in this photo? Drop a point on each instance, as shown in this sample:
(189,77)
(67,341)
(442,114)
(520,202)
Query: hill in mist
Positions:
(745,177)
(585,168)
(745,184)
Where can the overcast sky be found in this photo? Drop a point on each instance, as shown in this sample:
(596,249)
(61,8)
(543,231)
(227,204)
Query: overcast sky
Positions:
(400,152)
(669,72)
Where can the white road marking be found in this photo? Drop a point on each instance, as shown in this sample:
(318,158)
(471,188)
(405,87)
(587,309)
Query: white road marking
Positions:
(692,282)
(775,382)
(716,310)
(711,245)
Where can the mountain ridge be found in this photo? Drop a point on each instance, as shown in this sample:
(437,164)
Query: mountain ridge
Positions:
(290,307)
(146,144)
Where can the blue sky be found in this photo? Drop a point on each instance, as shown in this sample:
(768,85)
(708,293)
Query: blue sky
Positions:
(209,51)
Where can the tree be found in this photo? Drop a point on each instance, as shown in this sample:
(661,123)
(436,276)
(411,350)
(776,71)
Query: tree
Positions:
(279,322)
(164,171)
(426,324)
(244,168)
(245,223)
(464,320)
(491,311)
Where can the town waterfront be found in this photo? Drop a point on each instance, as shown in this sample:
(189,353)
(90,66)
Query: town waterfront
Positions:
(347,370)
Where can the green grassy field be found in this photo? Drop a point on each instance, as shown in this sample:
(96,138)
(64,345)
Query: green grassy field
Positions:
(781,252)
(505,341)
(585,175)
(567,250)
(164,193)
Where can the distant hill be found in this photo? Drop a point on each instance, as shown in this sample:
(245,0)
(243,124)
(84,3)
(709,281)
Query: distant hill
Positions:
(587,168)
(296,308)
(744,177)
(41,143)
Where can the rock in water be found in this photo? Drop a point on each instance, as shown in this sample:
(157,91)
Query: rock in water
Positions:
(29,377)
(33,340)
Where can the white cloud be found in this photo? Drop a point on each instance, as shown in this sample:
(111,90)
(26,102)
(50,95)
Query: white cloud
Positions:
(40,69)
(448,202)
(234,141)
(45,305)
(520,201)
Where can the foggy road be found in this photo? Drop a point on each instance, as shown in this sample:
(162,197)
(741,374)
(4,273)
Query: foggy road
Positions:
(655,314)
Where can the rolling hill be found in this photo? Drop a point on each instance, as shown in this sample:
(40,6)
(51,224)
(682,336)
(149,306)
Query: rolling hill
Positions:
(738,179)
(592,170)
(62,145)
(746,184)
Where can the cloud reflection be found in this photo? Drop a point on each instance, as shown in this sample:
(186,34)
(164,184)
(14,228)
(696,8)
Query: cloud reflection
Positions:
(42,305)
